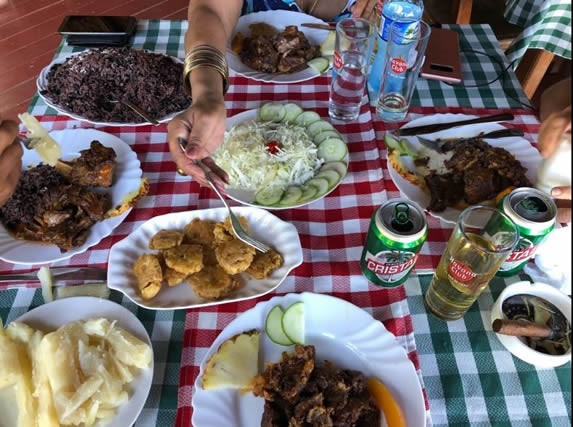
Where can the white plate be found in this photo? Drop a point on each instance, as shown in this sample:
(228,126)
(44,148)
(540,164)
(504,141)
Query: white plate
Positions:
(341,333)
(49,317)
(278,19)
(127,179)
(248,197)
(42,82)
(521,149)
(264,226)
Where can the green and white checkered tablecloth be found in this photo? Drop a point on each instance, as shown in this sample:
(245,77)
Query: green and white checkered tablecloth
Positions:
(546,25)
(469,378)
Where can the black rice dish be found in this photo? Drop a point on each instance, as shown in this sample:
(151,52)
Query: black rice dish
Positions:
(84,84)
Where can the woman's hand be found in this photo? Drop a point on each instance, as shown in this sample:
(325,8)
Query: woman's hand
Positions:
(365,9)
(10,159)
(201,128)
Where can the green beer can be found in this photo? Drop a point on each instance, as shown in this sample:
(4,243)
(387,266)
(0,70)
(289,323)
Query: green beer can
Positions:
(534,213)
(397,231)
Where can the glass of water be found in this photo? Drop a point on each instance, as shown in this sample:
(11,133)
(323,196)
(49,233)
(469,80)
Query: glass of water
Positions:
(405,55)
(352,47)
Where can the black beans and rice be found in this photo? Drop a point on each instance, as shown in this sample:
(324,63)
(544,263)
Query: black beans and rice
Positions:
(84,84)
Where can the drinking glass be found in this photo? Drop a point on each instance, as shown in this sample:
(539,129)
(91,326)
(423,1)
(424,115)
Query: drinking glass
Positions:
(481,241)
(405,54)
(352,47)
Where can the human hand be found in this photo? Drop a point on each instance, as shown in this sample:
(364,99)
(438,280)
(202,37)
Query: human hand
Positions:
(10,159)
(365,9)
(201,128)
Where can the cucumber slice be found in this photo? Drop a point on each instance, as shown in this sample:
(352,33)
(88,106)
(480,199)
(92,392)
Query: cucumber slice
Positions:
(307,118)
(330,175)
(293,322)
(272,112)
(327,46)
(291,195)
(320,126)
(339,167)
(391,142)
(269,195)
(308,193)
(321,184)
(274,327)
(331,150)
(406,149)
(320,65)
(323,136)
(292,112)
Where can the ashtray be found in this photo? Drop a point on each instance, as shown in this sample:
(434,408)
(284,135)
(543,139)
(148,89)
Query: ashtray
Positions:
(543,307)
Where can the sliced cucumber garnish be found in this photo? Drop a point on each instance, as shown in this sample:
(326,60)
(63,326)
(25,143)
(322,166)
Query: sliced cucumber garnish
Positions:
(293,322)
(292,112)
(269,195)
(339,167)
(274,327)
(307,118)
(291,196)
(272,112)
(320,126)
(323,136)
(391,142)
(308,193)
(330,175)
(320,65)
(331,150)
(321,184)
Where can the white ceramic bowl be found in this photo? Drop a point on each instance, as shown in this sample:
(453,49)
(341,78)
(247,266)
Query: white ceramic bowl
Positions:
(514,344)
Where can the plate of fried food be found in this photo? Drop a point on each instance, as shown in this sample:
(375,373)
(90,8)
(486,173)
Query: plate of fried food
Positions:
(193,259)
(272,46)
(62,210)
(461,173)
(90,362)
(341,367)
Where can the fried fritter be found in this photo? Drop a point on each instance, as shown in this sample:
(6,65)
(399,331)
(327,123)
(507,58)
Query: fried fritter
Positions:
(223,231)
(264,264)
(234,256)
(173,277)
(213,283)
(165,239)
(209,257)
(186,259)
(147,270)
(199,231)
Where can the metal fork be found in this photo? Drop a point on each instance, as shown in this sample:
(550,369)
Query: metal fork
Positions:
(235,223)
(438,144)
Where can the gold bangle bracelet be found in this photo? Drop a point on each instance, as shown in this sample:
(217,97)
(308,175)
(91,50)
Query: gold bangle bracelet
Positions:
(205,56)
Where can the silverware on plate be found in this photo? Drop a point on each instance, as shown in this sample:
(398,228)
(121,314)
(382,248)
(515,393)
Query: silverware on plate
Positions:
(316,26)
(442,144)
(93,274)
(137,110)
(417,130)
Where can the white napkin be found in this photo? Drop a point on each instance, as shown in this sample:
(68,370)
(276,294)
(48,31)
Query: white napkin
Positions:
(552,262)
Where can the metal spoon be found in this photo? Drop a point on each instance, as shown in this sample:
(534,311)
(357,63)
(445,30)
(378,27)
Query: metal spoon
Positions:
(136,110)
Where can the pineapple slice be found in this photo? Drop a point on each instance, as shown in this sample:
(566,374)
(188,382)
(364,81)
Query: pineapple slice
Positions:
(235,363)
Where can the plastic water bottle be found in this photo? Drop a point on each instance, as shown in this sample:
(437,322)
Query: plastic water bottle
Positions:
(407,12)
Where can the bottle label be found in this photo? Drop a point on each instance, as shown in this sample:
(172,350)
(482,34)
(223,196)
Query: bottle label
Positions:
(405,28)
(390,266)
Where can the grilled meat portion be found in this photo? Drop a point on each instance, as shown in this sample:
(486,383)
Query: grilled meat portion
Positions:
(94,168)
(260,54)
(445,190)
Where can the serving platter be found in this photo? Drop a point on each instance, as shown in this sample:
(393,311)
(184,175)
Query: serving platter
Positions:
(42,82)
(341,332)
(50,316)
(127,179)
(519,147)
(263,226)
(278,19)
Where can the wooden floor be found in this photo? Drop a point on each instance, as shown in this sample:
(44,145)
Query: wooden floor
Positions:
(28,37)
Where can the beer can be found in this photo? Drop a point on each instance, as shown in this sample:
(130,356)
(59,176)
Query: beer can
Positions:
(534,213)
(397,231)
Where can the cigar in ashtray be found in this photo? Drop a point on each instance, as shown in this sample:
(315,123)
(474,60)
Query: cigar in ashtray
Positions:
(523,328)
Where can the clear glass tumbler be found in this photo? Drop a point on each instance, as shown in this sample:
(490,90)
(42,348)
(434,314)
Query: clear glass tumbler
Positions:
(481,241)
(405,56)
(352,47)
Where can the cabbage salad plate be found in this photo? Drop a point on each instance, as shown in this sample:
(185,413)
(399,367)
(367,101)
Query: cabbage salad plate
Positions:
(42,83)
(278,19)
(127,179)
(263,226)
(280,156)
(519,147)
(341,333)
(50,316)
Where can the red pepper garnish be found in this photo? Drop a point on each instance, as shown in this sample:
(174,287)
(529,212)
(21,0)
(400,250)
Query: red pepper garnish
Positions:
(273,146)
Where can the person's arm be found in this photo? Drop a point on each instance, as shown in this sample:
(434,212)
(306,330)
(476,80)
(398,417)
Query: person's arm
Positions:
(10,159)
(555,98)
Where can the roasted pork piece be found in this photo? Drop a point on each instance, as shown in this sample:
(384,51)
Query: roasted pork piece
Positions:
(94,168)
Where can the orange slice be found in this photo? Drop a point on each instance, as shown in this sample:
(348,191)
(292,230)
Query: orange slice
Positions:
(386,403)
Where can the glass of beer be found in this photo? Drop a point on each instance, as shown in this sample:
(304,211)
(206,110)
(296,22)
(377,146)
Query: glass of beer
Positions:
(481,241)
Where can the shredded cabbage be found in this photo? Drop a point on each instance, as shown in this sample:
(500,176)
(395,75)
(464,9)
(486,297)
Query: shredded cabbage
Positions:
(245,157)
